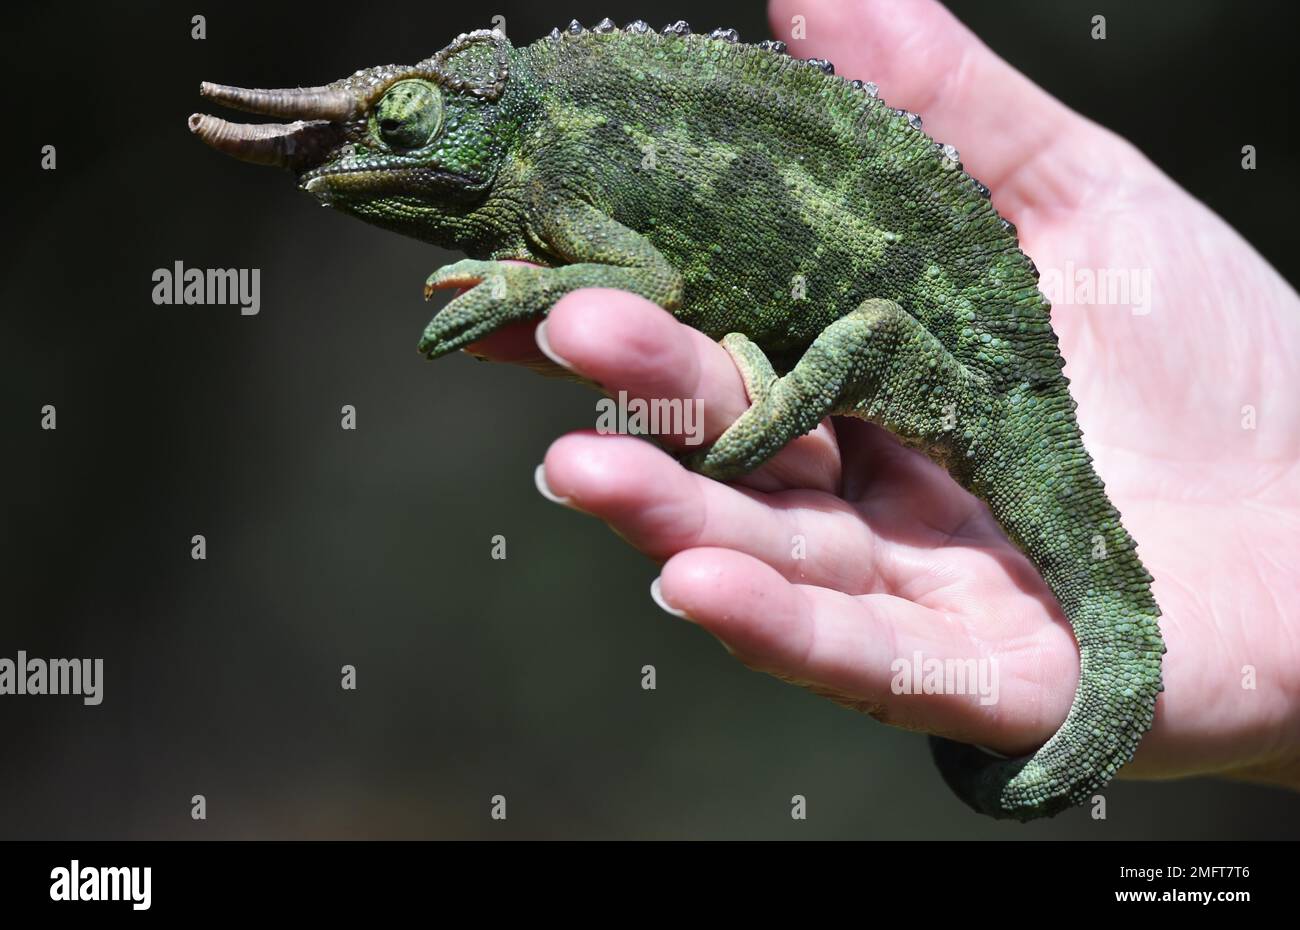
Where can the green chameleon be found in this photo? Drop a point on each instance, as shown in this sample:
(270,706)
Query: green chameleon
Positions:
(844,258)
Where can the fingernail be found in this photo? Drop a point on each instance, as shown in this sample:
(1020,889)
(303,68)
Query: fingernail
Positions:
(657,593)
(539,479)
(544,344)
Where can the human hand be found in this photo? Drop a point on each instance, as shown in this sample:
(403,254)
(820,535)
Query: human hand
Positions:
(899,558)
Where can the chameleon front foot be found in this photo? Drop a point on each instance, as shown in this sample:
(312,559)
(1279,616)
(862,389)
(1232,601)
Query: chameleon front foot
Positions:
(498,294)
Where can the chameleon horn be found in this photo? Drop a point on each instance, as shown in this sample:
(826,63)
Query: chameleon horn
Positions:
(281,145)
(329,103)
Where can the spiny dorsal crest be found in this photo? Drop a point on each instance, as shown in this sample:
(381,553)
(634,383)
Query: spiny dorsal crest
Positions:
(681,29)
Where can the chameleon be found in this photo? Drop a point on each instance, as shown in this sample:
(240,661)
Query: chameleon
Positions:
(707,175)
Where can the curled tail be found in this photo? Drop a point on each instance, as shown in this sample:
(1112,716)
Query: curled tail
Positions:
(1055,508)
(1119,679)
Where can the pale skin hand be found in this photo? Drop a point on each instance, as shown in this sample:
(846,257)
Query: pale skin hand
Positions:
(899,558)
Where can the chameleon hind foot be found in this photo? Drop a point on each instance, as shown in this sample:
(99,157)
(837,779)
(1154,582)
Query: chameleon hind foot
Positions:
(877,362)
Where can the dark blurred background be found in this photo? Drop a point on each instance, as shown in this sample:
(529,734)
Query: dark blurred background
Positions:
(371,548)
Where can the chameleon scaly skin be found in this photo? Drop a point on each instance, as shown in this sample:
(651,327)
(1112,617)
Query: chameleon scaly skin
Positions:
(710,176)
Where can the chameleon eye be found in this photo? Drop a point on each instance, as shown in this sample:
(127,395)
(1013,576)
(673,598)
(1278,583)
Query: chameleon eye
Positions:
(408,116)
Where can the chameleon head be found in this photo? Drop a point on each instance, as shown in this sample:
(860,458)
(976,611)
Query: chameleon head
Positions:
(406,147)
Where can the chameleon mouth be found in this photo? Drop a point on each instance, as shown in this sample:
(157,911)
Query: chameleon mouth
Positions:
(366,181)
(408,175)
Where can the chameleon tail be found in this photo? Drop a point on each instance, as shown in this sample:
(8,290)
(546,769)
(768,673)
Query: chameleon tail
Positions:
(1054,507)
(1108,601)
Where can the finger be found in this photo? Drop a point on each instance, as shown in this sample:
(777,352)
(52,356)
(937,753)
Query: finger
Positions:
(807,536)
(625,343)
(892,484)
(1024,144)
(514,343)
(859,651)
(663,509)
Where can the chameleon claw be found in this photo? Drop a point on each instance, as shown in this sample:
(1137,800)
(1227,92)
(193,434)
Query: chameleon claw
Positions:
(443,338)
(464,274)
(432,341)
(446,278)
